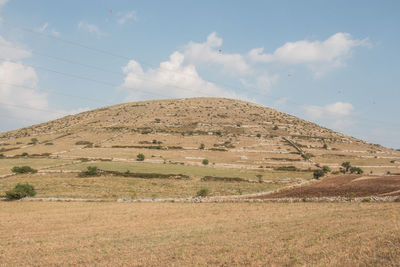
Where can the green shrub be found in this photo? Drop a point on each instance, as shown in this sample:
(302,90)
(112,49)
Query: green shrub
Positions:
(346,165)
(82,143)
(307,156)
(287,168)
(325,146)
(205,162)
(140,157)
(23,169)
(202,146)
(203,192)
(21,191)
(356,170)
(318,174)
(91,171)
(326,169)
(275,128)
(258,135)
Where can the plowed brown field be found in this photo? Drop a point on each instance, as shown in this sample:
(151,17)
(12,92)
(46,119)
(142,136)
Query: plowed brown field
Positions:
(345,185)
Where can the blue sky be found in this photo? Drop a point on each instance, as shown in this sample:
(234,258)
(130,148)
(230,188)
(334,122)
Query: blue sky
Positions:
(335,63)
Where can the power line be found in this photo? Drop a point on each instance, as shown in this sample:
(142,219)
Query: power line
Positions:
(106,83)
(117,56)
(55,92)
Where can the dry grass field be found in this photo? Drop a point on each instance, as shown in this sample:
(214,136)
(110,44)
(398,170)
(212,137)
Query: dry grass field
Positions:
(224,234)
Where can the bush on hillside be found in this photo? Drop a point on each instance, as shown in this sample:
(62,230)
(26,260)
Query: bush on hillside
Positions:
(346,165)
(21,191)
(326,169)
(356,170)
(203,192)
(140,157)
(91,171)
(205,162)
(318,174)
(23,169)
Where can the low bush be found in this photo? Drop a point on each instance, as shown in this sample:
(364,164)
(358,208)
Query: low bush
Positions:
(91,171)
(83,143)
(287,168)
(147,175)
(205,162)
(23,169)
(223,179)
(21,191)
(140,157)
(326,169)
(318,174)
(203,192)
(356,170)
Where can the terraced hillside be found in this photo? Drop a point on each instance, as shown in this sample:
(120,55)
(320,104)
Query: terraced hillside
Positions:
(239,140)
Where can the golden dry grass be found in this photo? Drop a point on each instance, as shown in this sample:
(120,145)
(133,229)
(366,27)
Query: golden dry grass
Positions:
(172,234)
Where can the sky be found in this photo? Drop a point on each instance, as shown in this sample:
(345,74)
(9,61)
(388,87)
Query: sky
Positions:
(335,63)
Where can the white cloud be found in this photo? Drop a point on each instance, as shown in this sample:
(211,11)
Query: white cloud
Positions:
(336,115)
(125,17)
(91,28)
(281,101)
(3,2)
(317,55)
(14,97)
(208,53)
(45,29)
(21,100)
(170,80)
(12,51)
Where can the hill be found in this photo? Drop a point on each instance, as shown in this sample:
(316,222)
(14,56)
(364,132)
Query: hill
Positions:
(241,141)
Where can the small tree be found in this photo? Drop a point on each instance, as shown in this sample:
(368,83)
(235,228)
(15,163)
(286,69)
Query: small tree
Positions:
(258,135)
(140,157)
(202,146)
(325,146)
(275,128)
(326,169)
(318,174)
(356,170)
(21,191)
(205,162)
(346,165)
(91,171)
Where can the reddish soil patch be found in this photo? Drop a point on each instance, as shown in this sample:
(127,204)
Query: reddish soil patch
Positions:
(345,185)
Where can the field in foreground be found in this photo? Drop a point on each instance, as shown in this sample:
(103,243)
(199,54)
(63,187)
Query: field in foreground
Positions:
(172,234)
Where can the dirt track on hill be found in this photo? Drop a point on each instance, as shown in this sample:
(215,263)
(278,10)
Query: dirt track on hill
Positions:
(345,185)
